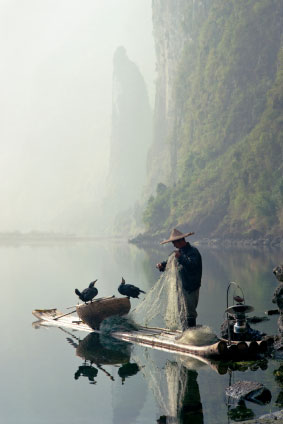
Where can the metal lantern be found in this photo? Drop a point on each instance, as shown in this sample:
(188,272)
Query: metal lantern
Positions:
(239,314)
(238,311)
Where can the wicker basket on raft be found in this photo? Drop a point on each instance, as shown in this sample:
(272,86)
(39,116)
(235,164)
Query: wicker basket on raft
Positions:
(95,312)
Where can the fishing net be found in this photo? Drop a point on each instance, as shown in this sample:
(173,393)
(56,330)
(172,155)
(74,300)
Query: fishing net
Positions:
(112,324)
(198,336)
(164,305)
(116,323)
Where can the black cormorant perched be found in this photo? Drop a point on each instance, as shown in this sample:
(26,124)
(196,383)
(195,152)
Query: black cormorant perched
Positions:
(129,290)
(88,294)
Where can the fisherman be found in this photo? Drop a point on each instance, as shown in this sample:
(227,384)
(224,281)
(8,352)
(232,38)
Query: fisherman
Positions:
(190,268)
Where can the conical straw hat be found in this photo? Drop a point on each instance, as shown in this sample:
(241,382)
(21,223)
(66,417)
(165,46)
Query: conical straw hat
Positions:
(176,235)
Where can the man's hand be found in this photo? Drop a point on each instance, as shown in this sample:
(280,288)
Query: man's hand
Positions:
(177,254)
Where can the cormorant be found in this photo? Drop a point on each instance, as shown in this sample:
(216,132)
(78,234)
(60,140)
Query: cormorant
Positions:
(129,290)
(89,293)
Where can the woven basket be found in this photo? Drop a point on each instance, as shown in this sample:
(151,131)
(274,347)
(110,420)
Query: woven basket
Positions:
(95,312)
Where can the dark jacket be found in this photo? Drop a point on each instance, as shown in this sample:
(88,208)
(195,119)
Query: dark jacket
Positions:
(190,267)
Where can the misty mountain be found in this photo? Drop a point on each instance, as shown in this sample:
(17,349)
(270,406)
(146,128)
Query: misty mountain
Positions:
(215,164)
(131,136)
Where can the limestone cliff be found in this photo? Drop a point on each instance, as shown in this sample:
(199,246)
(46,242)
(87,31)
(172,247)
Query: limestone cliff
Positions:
(131,135)
(218,117)
(173,27)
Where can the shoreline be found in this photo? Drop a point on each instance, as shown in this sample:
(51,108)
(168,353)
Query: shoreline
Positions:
(274,242)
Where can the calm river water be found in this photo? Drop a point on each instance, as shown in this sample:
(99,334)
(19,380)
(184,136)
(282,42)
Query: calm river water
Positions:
(44,377)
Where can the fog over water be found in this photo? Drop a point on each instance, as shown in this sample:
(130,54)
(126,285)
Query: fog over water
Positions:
(55,105)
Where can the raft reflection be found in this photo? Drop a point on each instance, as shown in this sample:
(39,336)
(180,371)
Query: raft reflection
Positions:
(174,384)
(175,381)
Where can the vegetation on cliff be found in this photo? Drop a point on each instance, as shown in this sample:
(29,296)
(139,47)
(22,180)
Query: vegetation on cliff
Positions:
(229,105)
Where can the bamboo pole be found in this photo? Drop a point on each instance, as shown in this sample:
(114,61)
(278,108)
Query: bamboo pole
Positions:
(64,315)
(218,349)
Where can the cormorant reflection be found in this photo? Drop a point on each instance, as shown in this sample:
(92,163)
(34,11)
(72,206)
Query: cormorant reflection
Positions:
(128,370)
(100,351)
(88,371)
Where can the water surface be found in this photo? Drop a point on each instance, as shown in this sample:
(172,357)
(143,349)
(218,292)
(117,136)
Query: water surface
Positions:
(44,376)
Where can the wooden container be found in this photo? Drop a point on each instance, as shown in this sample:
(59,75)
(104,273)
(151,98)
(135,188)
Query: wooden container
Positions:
(95,312)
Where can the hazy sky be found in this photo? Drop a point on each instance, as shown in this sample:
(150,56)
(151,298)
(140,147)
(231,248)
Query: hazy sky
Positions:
(55,103)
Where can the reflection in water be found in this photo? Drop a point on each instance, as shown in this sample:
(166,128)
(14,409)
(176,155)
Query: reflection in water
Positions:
(278,374)
(240,412)
(128,370)
(248,365)
(88,371)
(174,383)
(189,406)
(237,409)
(93,350)
(168,380)
(182,402)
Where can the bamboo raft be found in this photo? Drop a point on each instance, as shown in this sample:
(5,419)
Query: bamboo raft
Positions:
(157,338)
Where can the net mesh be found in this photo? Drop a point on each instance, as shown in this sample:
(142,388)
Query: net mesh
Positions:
(164,305)
(198,336)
